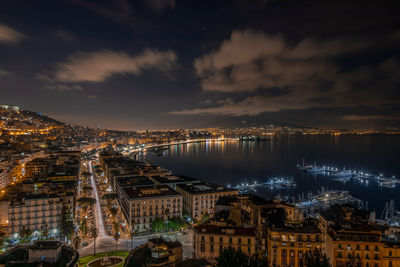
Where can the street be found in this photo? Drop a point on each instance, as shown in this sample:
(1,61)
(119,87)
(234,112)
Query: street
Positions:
(106,243)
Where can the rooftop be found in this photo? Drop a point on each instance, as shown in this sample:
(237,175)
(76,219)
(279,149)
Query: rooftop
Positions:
(150,191)
(224,230)
(133,180)
(173,179)
(50,244)
(204,188)
(306,227)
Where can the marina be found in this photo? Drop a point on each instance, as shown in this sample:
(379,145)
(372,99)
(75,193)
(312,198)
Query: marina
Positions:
(312,203)
(344,175)
(276,183)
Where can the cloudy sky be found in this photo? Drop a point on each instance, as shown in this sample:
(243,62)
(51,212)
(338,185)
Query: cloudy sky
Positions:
(153,64)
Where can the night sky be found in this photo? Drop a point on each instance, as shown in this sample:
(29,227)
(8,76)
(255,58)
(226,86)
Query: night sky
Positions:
(155,64)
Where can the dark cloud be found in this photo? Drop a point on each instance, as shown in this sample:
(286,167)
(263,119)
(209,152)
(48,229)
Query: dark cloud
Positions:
(305,72)
(316,63)
(101,65)
(9,35)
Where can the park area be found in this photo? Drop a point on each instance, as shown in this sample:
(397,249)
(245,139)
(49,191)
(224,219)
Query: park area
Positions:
(110,256)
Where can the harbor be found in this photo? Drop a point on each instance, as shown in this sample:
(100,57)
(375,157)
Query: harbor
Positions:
(312,203)
(275,183)
(345,175)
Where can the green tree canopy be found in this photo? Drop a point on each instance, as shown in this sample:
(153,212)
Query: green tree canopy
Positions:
(316,258)
(85,174)
(230,257)
(177,223)
(157,225)
(86,200)
(109,196)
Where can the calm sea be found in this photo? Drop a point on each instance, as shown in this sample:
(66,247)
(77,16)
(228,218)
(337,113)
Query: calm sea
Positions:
(234,162)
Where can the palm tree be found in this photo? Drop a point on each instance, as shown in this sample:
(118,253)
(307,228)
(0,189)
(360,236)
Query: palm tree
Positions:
(85,202)
(76,241)
(45,232)
(166,213)
(85,175)
(116,237)
(94,233)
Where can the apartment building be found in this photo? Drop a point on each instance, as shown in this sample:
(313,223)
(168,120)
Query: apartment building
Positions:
(200,198)
(210,239)
(38,212)
(352,235)
(287,245)
(391,254)
(141,205)
(254,211)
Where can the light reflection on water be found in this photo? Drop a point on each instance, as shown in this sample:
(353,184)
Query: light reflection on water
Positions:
(237,162)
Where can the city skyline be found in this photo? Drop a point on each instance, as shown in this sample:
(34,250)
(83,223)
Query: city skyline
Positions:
(132,65)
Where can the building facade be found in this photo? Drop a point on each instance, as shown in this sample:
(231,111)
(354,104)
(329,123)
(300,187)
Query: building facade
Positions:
(142,205)
(199,198)
(210,239)
(39,212)
(288,245)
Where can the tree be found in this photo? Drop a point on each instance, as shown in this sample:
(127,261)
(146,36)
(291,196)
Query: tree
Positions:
(94,232)
(177,223)
(109,197)
(2,239)
(230,257)
(316,258)
(66,224)
(86,201)
(87,189)
(45,232)
(166,214)
(25,234)
(205,217)
(83,227)
(76,240)
(157,225)
(85,175)
(116,237)
(354,262)
(113,212)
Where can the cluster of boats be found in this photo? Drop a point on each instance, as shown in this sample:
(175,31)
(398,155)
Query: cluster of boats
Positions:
(312,203)
(276,183)
(344,175)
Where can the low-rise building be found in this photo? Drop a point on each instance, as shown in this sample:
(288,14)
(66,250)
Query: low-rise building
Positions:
(199,198)
(159,252)
(41,253)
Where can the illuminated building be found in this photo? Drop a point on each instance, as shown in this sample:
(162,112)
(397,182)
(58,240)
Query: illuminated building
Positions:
(141,205)
(352,235)
(288,244)
(210,239)
(391,254)
(199,198)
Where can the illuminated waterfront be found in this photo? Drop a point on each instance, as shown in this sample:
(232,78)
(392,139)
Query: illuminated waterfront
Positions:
(234,163)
